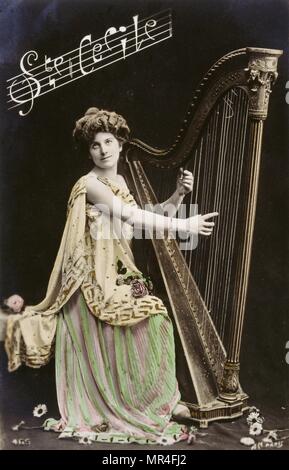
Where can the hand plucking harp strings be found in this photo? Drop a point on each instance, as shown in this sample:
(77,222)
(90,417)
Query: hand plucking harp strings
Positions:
(185,182)
(198,224)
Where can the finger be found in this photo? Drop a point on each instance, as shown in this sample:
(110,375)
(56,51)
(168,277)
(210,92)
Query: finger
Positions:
(181,173)
(210,215)
(187,172)
(209,224)
(205,230)
(187,180)
(187,185)
(205,233)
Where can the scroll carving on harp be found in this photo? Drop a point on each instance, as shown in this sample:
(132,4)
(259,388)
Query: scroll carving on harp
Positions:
(220,143)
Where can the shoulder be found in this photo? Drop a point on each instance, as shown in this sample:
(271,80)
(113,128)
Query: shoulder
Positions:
(122,180)
(96,190)
(91,182)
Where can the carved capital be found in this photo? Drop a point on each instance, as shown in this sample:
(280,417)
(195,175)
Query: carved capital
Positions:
(261,74)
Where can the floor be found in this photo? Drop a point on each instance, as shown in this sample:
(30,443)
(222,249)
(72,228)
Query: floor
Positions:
(22,390)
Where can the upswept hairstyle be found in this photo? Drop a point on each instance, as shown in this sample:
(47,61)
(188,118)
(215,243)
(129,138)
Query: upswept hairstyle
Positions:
(99,120)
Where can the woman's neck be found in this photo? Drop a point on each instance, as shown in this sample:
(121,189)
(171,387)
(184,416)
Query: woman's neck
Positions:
(110,173)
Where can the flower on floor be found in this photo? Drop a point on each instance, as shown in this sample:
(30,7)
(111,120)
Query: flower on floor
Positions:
(247,441)
(255,417)
(39,411)
(263,438)
(272,435)
(14,303)
(191,438)
(253,409)
(256,429)
(85,441)
(16,427)
(267,440)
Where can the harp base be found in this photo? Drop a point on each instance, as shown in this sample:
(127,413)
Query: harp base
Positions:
(218,410)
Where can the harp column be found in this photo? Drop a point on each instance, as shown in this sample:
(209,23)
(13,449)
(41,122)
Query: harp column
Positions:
(261,74)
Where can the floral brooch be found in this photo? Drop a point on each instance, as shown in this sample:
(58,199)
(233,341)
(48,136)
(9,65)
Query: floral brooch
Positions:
(140,285)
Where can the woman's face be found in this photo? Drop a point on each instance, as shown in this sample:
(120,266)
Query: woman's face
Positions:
(105,150)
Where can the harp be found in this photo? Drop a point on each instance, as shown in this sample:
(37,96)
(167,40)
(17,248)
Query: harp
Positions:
(220,142)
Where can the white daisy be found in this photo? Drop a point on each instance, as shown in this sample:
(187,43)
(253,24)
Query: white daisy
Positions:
(85,440)
(39,410)
(253,409)
(255,417)
(255,429)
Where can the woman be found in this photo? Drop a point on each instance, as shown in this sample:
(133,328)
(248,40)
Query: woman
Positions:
(114,348)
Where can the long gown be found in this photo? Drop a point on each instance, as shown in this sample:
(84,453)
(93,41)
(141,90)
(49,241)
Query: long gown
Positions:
(116,382)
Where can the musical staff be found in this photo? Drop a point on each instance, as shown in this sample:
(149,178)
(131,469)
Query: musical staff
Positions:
(90,56)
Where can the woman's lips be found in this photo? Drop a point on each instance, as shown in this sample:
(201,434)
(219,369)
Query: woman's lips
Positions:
(105,158)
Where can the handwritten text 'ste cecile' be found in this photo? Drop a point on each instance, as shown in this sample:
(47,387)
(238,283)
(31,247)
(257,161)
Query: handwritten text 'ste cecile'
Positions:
(91,55)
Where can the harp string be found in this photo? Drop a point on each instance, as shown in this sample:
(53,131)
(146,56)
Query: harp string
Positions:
(236,194)
(214,245)
(192,167)
(225,207)
(221,300)
(217,166)
(218,194)
(233,190)
(223,200)
(217,187)
(208,205)
(201,257)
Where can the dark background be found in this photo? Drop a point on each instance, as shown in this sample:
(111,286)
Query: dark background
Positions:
(152,89)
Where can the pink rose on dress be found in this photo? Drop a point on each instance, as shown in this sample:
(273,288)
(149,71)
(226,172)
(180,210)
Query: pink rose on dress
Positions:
(138,288)
(15,303)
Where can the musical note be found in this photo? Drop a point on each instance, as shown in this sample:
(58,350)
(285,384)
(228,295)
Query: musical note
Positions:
(96,50)
(57,62)
(47,61)
(51,81)
(70,68)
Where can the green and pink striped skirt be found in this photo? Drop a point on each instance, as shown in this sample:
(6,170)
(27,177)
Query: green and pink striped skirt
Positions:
(115,384)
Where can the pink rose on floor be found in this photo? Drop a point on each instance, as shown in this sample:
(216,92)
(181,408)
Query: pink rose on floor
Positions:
(15,303)
(138,288)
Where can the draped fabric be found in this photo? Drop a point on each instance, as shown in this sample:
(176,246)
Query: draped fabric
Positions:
(115,383)
(84,262)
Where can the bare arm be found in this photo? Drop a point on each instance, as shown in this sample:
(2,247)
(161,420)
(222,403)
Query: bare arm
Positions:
(185,183)
(102,197)
(170,206)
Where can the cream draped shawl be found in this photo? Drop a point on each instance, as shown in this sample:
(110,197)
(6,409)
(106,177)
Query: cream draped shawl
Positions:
(84,262)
